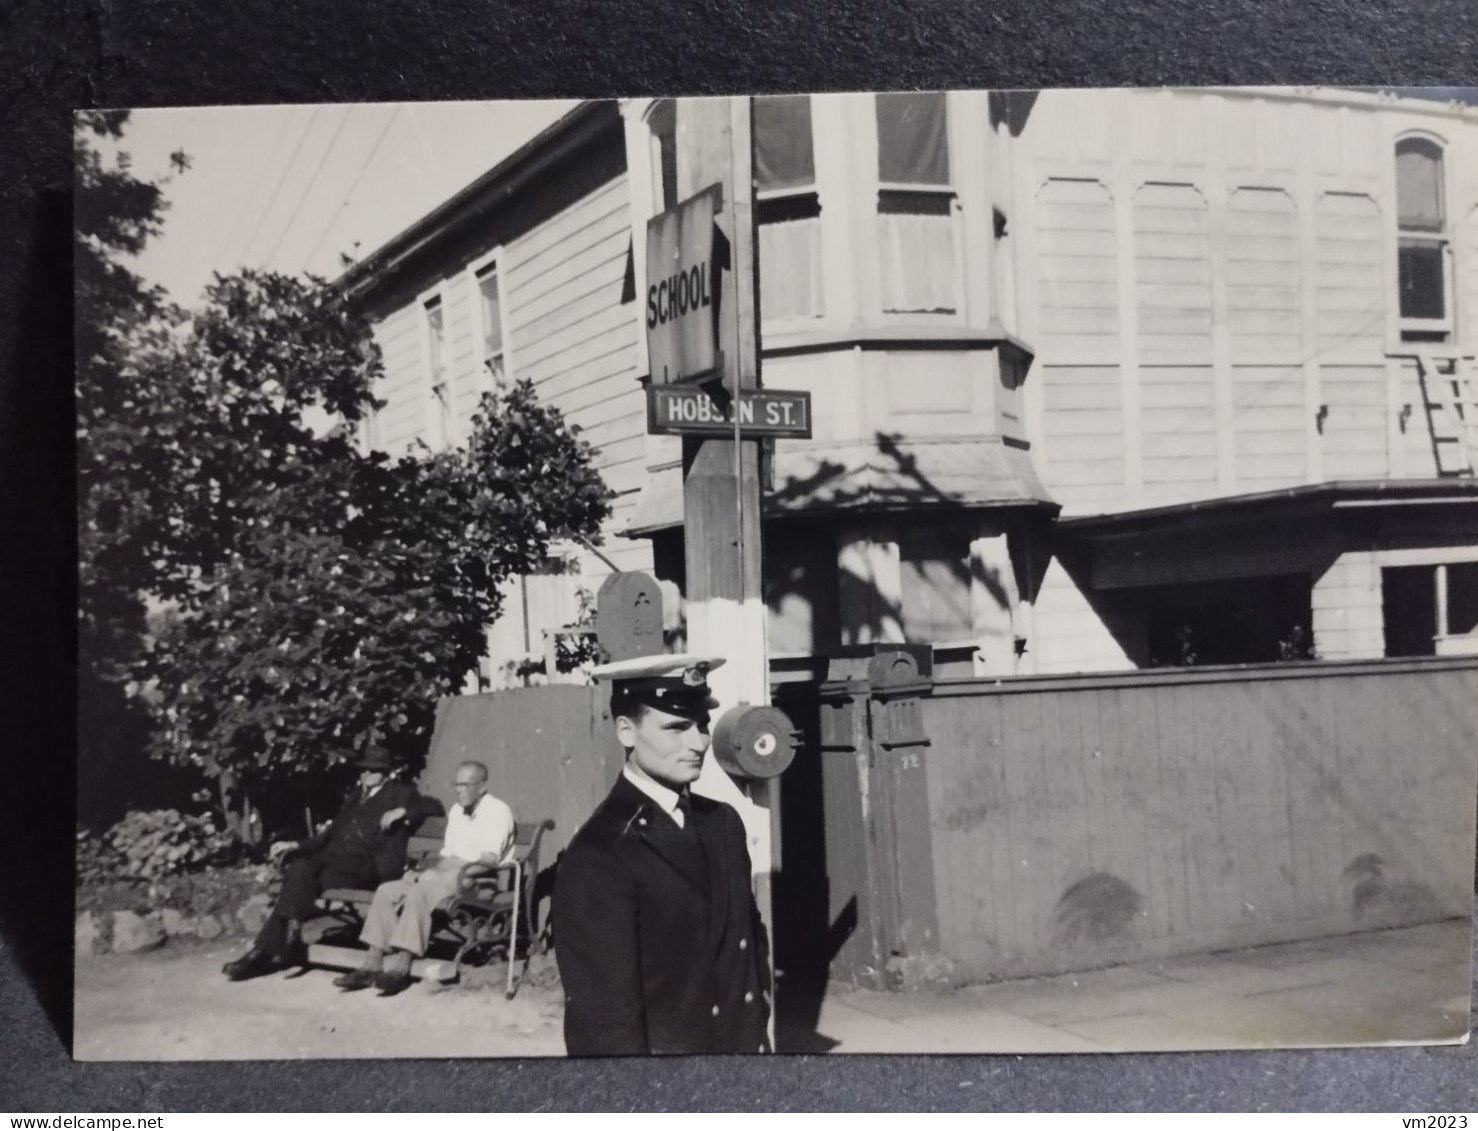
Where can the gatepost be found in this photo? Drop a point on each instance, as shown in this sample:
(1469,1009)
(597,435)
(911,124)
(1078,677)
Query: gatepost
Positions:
(879,852)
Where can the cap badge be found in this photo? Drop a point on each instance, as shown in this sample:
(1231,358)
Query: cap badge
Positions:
(696,675)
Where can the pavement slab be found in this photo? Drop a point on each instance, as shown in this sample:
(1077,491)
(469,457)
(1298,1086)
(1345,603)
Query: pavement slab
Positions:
(1147,1032)
(1236,978)
(1409,986)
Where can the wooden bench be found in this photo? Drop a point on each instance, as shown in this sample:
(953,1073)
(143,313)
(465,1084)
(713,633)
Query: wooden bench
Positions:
(492,905)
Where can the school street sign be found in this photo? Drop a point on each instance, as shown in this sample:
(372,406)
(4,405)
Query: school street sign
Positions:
(688,410)
(684,290)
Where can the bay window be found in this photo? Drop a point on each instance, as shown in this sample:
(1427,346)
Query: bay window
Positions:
(916,204)
(787,208)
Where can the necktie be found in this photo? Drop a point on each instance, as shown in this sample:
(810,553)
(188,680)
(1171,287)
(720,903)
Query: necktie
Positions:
(684,811)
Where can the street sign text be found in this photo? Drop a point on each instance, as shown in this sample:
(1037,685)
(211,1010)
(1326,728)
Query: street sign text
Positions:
(691,411)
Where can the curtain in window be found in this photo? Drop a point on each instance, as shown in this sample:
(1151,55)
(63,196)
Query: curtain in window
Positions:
(913,144)
(492,318)
(1419,186)
(784,155)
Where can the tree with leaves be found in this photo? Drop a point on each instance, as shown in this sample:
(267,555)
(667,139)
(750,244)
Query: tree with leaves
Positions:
(328,595)
(305,594)
(118,316)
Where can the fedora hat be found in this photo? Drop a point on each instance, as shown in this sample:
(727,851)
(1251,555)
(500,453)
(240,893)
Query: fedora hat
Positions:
(376,757)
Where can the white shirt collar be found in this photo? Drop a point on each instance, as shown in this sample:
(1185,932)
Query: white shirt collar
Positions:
(665,798)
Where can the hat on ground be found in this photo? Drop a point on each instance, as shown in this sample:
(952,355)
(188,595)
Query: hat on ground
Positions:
(376,757)
(676,683)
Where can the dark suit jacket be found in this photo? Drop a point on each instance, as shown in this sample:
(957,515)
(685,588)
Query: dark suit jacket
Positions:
(655,958)
(353,842)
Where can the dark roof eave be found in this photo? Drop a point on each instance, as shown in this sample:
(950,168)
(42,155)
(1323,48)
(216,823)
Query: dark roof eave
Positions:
(1291,500)
(554,143)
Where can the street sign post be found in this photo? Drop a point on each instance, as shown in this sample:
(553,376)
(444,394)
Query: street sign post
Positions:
(685,410)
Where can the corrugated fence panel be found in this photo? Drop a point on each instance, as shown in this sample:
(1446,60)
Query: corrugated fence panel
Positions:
(1087,821)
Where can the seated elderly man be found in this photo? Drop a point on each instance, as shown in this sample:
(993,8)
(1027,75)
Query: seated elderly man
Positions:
(479,828)
(363,846)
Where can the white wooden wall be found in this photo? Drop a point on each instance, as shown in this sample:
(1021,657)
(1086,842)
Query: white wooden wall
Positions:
(1210,281)
(567,332)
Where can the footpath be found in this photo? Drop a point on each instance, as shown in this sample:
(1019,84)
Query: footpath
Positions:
(1401,986)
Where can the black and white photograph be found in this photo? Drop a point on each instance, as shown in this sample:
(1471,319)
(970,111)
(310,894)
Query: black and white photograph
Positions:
(969,571)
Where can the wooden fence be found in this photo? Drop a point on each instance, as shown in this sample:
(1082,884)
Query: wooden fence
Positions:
(1054,824)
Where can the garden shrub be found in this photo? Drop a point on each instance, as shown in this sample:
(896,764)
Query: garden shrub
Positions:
(165,842)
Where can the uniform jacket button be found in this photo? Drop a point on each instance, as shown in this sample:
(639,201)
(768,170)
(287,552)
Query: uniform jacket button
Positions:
(715,1011)
(743,944)
(749,996)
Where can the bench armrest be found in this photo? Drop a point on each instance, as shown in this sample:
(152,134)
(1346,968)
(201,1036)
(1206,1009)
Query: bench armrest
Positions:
(478,877)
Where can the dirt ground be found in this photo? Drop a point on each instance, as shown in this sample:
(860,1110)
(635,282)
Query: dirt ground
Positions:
(173,1004)
(1409,985)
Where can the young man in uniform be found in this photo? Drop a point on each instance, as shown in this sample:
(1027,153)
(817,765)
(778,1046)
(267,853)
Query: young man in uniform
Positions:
(659,943)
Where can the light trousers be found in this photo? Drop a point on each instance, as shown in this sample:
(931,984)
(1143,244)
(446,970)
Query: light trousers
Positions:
(399,917)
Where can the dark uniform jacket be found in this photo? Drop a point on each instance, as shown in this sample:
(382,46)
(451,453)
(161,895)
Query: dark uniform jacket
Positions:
(659,944)
(353,842)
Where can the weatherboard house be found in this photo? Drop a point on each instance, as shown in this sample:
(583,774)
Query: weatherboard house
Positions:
(1099,380)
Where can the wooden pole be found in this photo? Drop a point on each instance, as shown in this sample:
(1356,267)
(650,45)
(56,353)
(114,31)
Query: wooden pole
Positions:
(721,477)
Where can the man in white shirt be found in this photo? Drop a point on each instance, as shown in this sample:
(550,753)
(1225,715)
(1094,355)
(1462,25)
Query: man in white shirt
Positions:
(479,828)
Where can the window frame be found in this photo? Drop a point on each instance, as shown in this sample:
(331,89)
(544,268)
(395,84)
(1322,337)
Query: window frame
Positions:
(948,187)
(952,207)
(661,113)
(486,382)
(440,412)
(1412,328)
(762,196)
(807,199)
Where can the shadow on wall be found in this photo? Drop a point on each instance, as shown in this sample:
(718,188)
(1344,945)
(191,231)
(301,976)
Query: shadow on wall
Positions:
(1012,109)
(1098,910)
(1378,901)
(892,480)
(889,479)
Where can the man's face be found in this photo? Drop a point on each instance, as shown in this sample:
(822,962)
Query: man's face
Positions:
(470,785)
(666,748)
(368,779)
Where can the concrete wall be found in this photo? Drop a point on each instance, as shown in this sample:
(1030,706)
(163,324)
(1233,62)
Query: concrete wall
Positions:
(1075,823)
